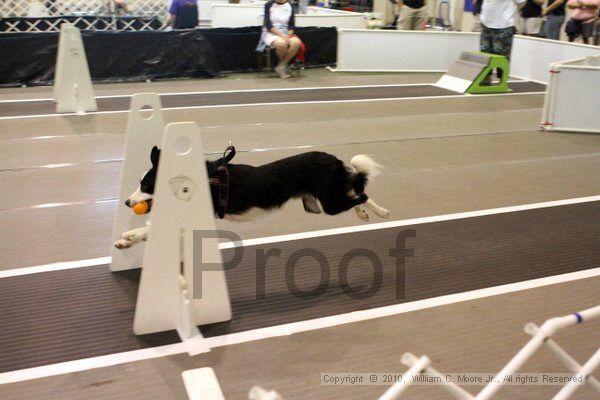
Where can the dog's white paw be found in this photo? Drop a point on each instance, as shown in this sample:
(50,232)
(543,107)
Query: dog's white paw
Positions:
(135,235)
(362,213)
(123,244)
(377,209)
(131,237)
(384,213)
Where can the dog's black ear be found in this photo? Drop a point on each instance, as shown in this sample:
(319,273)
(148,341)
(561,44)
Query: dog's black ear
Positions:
(155,155)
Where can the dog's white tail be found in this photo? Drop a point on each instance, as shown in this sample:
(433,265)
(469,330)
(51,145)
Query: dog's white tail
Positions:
(366,165)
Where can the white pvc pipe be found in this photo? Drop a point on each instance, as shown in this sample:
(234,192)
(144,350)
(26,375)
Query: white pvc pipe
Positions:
(570,362)
(398,388)
(513,365)
(549,328)
(456,391)
(586,370)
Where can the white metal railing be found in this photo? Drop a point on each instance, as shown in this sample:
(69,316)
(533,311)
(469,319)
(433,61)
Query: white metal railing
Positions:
(541,336)
(79,8)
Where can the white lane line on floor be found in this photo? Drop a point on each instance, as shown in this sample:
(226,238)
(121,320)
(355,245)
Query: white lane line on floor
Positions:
(323,232)
(57,266)
(253,90)
(452,96)
(288,329)
(406,222)
(247,91)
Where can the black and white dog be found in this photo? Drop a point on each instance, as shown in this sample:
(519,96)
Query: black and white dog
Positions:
(240,192)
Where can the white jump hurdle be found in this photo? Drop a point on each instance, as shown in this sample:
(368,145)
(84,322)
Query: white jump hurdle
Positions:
(202,384)
(571,102)
(178,288)
(72,82)
(145,128)
(541,336)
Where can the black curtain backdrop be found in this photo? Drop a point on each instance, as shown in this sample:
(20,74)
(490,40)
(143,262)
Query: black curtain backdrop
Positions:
(29,58)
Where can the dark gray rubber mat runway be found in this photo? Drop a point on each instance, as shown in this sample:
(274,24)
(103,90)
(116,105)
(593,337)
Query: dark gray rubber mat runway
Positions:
(59,316)
(10,109)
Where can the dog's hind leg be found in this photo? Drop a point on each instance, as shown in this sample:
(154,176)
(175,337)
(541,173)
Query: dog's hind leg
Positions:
(361,212)
(310,204)
(377,209)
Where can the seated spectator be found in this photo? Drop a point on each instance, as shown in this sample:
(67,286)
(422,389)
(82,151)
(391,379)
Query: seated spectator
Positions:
(279,33)
(582,19)
(555,14)
(531,17)
(175,10)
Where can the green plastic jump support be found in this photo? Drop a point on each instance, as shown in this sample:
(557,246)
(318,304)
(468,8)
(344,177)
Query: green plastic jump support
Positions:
(495,62)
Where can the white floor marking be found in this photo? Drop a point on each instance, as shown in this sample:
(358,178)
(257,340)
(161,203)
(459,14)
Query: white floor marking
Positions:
(322,233)
(406,222)
(287,329)
(453,96)
(58,266)
(254,90)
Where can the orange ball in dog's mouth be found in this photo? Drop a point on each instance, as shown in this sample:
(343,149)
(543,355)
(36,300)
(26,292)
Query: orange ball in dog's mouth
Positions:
(141,208)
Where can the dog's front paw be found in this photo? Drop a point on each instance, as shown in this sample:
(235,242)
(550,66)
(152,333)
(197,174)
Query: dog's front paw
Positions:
(123,244)
(135,235)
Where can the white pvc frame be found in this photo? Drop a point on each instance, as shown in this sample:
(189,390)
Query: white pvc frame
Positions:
(374,50)
(531,56)
(541,336)
(572,98)
(241,15)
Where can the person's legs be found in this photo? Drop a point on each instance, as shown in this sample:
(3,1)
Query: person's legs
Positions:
(523,26)
(534,26)
(553,25)
(418,19)
(281,48)
(476,27)
(587,30)
(293,45)
(502,44)
(405,20)
(485,39)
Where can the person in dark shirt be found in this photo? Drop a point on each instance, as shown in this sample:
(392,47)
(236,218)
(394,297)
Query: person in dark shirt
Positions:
(412,15)
(175,6)
(555,14)
(531,17)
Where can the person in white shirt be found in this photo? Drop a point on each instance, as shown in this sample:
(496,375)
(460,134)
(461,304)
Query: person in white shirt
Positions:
(498,25)
(279,25)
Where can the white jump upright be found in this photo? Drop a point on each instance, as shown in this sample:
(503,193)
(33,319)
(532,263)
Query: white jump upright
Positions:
(72,82)
(571,102)
(202,384)
(177,291)
(145,128)
(541,336)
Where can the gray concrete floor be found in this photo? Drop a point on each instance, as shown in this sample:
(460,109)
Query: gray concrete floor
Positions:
(478,336)
(308,78)
(441,156)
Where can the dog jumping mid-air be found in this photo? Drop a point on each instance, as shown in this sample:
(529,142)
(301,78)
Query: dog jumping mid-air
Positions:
(240,192)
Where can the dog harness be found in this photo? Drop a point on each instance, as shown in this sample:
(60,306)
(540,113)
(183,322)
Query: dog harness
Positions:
(221,181)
